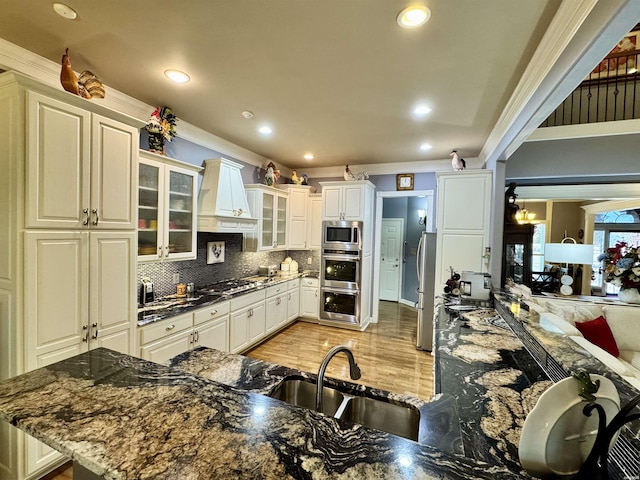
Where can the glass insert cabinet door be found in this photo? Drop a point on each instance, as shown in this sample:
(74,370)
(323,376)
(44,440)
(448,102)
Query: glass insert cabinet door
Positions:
(268,201)
(149,198)
(166,212)
(281,222)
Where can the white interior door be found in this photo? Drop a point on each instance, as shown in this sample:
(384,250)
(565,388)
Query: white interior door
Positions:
(391,258)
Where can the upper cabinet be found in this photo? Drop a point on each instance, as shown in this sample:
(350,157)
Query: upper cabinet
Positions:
(299,220)
(80,167)
(314,221)
(269,205)
(166,208)
(347,200)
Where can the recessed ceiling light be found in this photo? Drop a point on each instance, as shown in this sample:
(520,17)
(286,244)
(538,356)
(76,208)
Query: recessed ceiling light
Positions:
(265,130)
(426,146)
(177,76)
(421,110)
(65,11)
(247,114)
(412,17)
(309,156)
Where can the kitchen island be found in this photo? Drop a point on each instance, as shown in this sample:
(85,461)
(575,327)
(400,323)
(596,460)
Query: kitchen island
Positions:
(118,416)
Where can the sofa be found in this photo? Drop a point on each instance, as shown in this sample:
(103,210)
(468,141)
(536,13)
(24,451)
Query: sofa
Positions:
(587,323)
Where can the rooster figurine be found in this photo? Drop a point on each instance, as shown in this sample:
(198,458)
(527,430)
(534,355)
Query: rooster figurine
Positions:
(87,86)
(68,77)
(295,179)
(349,175)
(457,162)
(272,175)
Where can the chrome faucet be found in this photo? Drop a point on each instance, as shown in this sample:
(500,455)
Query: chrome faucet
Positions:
(354,371)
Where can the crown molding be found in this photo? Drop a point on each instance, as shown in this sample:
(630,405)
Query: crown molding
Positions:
(608,191)
(600,129)
(426,166)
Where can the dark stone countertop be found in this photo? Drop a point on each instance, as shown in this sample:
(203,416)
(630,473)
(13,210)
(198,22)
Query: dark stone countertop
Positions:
(126,418)
(175,305)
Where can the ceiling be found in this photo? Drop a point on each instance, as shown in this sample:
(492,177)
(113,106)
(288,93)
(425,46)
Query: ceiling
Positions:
(333,77)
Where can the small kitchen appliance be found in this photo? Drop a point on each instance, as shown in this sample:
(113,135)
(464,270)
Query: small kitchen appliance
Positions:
(268,270)
(147,294)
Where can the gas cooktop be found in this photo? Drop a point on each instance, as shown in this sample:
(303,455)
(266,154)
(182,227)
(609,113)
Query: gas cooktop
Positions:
(229,287)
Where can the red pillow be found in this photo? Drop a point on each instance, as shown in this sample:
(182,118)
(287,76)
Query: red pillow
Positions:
(597,331)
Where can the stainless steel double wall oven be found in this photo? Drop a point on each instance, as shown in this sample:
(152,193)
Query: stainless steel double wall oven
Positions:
(341,271)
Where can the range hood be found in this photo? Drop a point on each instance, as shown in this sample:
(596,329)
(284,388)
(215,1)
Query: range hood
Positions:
(222,201)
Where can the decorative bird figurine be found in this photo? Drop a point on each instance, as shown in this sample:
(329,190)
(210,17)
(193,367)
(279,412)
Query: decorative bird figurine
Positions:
(305,179)
(457,162)
(272,175)
(68,77)
(347,173)
(295,179)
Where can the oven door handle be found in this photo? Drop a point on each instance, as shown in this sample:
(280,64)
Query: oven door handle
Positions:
(342,257)
(347,291)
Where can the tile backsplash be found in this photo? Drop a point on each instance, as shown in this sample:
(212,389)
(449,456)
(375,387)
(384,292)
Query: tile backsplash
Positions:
(237,264)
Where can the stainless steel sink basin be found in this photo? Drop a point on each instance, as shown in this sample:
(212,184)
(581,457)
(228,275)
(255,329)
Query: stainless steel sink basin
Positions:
(298,392)
(400,420)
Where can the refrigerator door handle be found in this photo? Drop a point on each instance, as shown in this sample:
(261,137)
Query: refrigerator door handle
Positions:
(419,261)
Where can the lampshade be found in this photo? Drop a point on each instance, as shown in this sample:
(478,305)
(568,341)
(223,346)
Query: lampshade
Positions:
(568,253)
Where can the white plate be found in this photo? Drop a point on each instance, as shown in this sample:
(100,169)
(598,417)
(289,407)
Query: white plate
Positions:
(557,437)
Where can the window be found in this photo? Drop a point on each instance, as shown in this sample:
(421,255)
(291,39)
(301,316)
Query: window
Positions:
(537,250)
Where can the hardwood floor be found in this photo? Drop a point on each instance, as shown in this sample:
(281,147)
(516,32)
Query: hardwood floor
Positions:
(385,352)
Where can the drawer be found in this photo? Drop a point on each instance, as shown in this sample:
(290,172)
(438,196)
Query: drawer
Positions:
(276,289)
(310,282)
(293,284)
(156,331)
(245,300)
(209,313)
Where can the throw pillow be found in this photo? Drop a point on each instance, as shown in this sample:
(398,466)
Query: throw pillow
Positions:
(597,331)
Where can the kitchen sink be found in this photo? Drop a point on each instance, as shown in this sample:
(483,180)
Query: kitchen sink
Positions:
(298,392)
(400,420)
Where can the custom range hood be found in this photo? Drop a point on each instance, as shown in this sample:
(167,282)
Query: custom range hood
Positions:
(222,201)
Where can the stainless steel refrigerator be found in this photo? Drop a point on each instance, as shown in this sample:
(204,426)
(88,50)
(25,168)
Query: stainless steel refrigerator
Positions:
(426,268)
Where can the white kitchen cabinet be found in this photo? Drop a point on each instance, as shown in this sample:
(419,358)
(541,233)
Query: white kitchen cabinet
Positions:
(314,221)
(293,300)
(347,200)
(82,292)
(270,206)
(309,298)
(67,240)
(80,167)
(166,208)
(462,221)
(247,321)
(205,327)
(276,307)
(298,215)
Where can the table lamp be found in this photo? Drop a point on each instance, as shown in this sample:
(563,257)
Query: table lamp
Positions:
(568,252)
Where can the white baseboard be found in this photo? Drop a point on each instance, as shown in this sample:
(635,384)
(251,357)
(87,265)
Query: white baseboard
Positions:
(408,303)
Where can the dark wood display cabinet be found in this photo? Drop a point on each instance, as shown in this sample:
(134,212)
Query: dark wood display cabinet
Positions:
(516,258)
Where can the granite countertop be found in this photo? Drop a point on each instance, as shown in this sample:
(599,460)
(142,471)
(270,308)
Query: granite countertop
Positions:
(172,305)
(494,380)
(122,417)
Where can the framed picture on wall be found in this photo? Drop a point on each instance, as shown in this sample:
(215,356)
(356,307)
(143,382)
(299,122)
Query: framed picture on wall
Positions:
(404,181)
(215,252)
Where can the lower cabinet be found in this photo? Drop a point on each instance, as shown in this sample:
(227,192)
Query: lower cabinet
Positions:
(247,320)
(293,300)
(276,312)
(206,327)
(310,298)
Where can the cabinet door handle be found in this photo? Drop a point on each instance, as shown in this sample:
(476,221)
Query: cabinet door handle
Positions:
(191,338)
(289,296)
(95,331)
(214,312)
(95,212)
(170,327)
(159,250)
(278,301)
(197,335)
(166,251)
(85,336)
(86,217)
(316,293)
